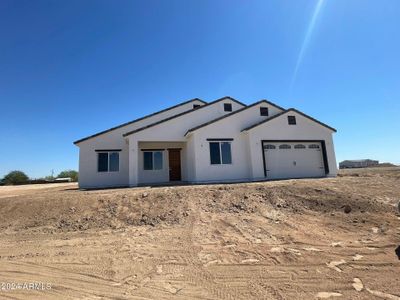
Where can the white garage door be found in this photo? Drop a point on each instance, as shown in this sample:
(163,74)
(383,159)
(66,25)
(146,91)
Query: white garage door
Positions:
(293,160)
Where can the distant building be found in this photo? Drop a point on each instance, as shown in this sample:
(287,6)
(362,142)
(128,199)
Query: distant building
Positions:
(360,163)
(63,179)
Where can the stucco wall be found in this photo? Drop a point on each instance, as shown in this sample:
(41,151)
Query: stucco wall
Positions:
(154,176)
(88,175)
(247,161)
(228,128)
(190,158)
(278,129)
(173,131)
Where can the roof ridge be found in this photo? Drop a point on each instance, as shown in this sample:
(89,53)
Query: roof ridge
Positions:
(139,119)
(181,114)
(228,97)
(272,103)
(227,115)
(285,111)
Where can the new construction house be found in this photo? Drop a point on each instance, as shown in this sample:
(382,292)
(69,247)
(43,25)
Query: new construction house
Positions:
(220,141)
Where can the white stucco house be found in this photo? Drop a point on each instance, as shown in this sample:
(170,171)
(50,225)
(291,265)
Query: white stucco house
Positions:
(195,142)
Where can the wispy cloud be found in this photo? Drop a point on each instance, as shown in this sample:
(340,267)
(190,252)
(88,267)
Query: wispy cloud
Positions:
(306,40)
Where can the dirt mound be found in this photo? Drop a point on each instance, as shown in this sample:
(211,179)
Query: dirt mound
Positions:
(289,197)
(294,239)
(70,210)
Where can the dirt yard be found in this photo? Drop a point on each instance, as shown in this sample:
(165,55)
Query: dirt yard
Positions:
(272,240)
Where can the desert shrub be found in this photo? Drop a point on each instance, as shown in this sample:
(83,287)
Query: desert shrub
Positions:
(69,173)
(15,178)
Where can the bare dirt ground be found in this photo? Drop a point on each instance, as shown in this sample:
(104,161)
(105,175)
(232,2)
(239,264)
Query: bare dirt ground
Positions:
(271,240)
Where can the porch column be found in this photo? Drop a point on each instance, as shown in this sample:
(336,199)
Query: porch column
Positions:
(133,161)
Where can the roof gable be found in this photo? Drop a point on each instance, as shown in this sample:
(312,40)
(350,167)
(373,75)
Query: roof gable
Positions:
(183,113)
(231,114)
(287,111)
(140,119)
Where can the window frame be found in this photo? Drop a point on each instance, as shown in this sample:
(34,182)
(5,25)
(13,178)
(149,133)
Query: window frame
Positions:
(221,158)
(314,146)
(153,152)
(269,147)
(292,120)
(227,106)
(109,153)
(264,111)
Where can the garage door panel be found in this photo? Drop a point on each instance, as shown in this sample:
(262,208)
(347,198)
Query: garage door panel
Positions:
(293,159)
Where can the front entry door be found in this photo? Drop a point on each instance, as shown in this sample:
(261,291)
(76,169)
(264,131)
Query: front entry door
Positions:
(174,164)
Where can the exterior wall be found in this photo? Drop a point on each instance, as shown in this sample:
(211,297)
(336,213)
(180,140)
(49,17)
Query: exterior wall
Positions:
(157,176)
(228,128)
(88,175)
(246,147)
(278,129)
(191,159)
(173,131)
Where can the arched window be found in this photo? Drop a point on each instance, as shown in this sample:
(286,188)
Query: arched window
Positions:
(299,146)
(313,146)
(285,146)
(269,146)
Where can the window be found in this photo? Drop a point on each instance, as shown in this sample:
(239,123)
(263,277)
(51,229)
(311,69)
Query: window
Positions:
(299,146)
(108,161)
(102,165)
(227,106)
(114,161)
(313,146)
(196,106)
(285,146)
(264,111)
(220,153)
(152,160)
(291,120)
(269,146)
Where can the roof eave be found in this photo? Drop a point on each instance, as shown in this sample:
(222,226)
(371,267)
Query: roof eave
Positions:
(136,120)
(232,113)
(286,111)
(181,114)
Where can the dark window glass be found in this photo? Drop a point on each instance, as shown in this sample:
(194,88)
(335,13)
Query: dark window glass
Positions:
(291,120)
(226,153)
(102,163)
(269,146)
(215,154)
(148,160)
(264,111)
(313,146)
(227,107)
(158,160)
(196,105)
(299,146)
(285,146)
(114,162)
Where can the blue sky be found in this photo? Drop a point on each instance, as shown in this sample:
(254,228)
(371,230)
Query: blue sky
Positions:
(69,69)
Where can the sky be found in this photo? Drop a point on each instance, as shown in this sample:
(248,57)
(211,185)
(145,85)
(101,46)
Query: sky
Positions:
(69,69)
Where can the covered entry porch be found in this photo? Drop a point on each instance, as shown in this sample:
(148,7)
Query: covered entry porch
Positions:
(160,162)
